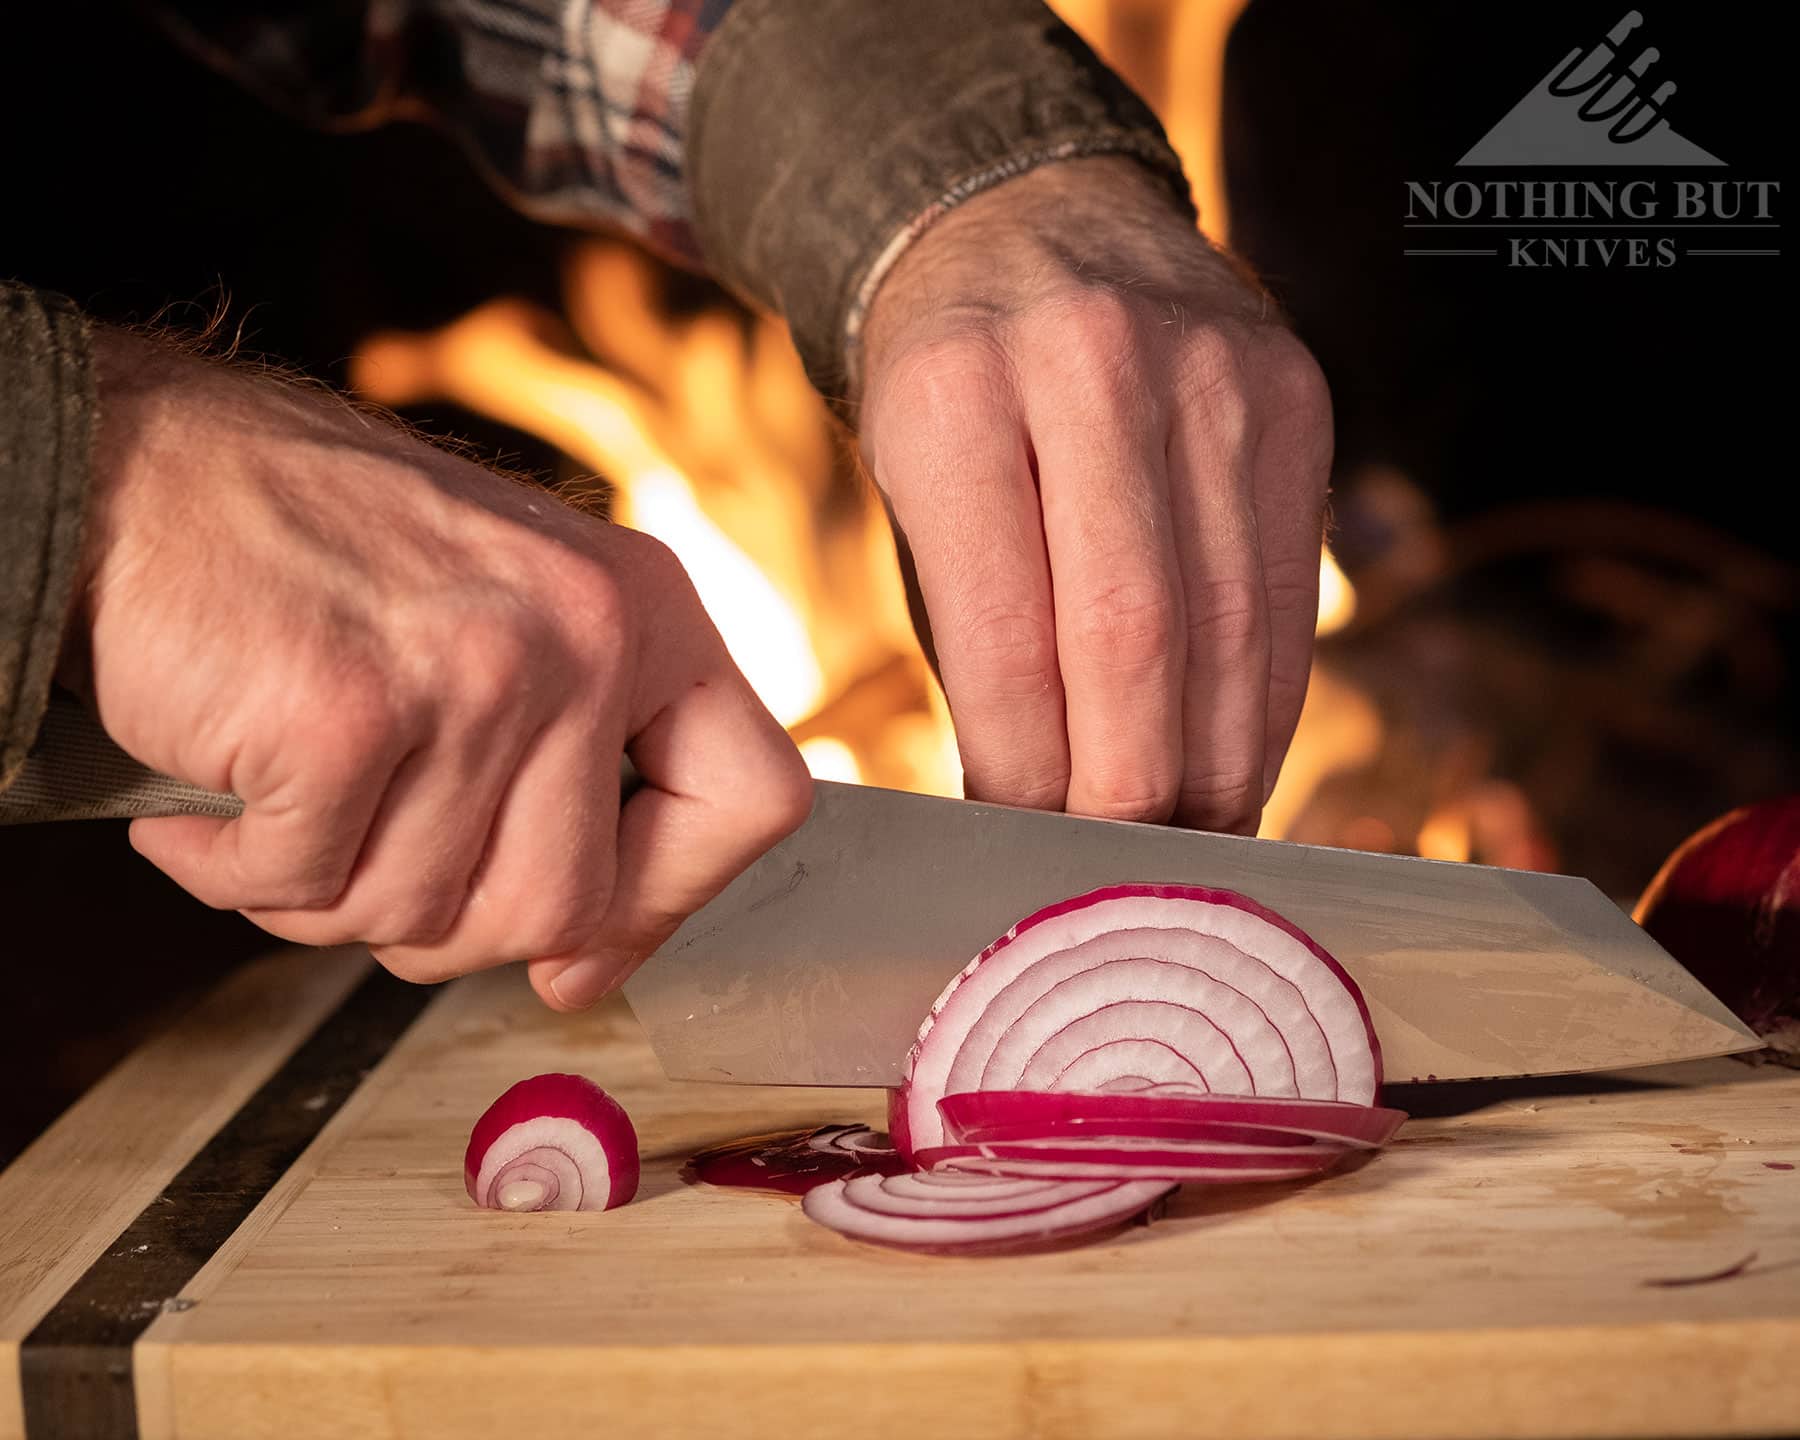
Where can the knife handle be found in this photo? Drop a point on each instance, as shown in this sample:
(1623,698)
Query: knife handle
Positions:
(76,772)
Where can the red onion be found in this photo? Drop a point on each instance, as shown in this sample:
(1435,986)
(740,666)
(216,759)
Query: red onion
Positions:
(794,1161)
(553,1142)
(965,1215)
(1105,1158)
(1164,1113)
(1726,904)
(1138,985)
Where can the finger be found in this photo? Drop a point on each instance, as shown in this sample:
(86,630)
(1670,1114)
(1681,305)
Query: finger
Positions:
(1225,692)
(722,783)
(301,832)
(1292,471)
(1115,577)
(410,883)
(953,460)
(545,876)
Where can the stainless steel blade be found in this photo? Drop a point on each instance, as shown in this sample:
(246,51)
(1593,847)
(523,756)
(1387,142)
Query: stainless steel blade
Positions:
(817,964)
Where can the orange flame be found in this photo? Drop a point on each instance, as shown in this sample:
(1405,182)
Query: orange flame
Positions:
(714,443)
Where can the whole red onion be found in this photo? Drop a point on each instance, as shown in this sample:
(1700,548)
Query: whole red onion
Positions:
(1726,904)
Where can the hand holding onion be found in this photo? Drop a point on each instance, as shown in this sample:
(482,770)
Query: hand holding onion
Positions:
(1109,461)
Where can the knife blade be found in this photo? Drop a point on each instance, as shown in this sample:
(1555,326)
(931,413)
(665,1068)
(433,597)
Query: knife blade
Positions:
(817,964)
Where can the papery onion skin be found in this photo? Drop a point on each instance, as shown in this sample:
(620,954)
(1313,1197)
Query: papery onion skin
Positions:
(561,1100)
(1726,904)
(912,1121)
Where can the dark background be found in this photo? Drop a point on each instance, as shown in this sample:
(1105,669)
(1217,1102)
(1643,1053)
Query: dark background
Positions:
(1661,386)
(136,180)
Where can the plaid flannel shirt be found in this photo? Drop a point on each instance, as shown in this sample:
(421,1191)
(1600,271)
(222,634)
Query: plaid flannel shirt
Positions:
(822,139)
(576,109)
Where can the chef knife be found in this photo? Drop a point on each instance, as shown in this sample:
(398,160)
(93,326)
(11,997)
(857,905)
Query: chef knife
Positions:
(816,965)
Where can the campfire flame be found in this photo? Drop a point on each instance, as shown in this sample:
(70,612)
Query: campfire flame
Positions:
(710,439)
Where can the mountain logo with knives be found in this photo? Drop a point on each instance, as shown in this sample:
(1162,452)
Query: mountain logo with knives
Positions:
(1596,107)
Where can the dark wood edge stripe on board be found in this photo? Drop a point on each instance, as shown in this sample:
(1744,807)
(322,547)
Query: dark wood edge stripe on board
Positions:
(75,1367)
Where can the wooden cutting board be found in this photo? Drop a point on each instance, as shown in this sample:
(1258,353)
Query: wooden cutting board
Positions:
(239,1234)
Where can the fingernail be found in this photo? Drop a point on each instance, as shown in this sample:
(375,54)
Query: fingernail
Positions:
(582,983)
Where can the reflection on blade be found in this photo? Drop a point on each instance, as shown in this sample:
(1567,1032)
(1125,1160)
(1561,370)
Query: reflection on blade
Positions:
(818,963)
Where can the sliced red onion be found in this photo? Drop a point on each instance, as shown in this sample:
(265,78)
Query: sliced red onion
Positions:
(903,1194)
(1164,1113)
(553,1142)
(1136,986)
(1106,1159)
(946,1214)
(857,1142)
(868,1144)
(794,1161)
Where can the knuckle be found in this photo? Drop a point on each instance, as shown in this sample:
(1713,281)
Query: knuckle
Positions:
(951,370)
(1102,329)
(1292,589)
(1097,342)
(1211,372)
(497,656)
(1043,787)
(1227,615)
(1011,648)
(594,601)
(355,722)
(1131,796)
(1129,625)
(1295,384)
(555,935)
(417,966)
(1287,697)
(426,918)
(571,924)
(785,798)
(1220,800)
(319,887)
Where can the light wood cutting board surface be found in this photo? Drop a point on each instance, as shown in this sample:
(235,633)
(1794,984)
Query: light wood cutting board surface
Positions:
(1494,1272)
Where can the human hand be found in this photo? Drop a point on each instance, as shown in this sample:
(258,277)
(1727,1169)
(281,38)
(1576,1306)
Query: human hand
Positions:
(419,677)
(1110,464)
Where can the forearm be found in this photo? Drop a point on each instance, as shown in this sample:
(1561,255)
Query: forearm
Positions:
(46,437)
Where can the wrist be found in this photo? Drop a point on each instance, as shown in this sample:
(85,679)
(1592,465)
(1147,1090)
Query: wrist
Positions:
(907,110)
(135,379)
(1105,220)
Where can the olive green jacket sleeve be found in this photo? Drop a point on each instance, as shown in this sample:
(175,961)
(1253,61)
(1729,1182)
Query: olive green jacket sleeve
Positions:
(825,136)
(46,431)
